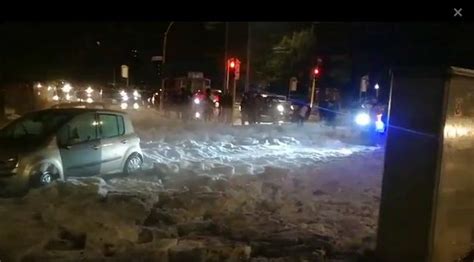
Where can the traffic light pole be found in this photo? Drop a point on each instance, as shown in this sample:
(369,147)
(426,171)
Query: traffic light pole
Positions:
(234,85)
(227,79)
(313,89)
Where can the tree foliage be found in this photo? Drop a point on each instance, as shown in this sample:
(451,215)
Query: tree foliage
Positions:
(291,55)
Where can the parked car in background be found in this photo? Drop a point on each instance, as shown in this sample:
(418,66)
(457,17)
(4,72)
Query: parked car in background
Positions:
(51,144)
(276,109)
(267,108)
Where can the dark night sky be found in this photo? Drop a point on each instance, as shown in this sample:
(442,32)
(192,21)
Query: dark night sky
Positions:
(70,50)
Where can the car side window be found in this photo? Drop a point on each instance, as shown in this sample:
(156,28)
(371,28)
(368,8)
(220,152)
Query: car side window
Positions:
(121,125)
(82,128)
(111,125)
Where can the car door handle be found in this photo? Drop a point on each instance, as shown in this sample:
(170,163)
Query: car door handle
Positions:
(124,141)
(95,147)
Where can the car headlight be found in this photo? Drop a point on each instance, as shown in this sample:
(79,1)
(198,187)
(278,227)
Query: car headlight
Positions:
(135,106)
(362,119)
(197,115)
(123,105)
(197,101)
(292,107)
(280,108)
(89,100)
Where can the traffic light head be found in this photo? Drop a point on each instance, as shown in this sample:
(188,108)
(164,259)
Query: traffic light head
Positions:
(316,71)
(232,64)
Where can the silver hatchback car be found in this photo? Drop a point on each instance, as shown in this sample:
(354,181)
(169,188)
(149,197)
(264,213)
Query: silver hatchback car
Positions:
(56,143)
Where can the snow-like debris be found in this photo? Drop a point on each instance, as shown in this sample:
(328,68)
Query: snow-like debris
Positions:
(201,148)
(208,192)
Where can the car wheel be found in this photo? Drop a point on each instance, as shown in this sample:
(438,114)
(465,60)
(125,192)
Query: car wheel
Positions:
(133,164)
(44,175)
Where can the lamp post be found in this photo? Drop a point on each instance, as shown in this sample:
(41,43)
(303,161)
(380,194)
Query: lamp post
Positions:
(165,40)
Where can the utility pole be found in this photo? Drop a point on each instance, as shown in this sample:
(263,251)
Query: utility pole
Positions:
(226,72)
(247,68)
(113,82)
(315,75)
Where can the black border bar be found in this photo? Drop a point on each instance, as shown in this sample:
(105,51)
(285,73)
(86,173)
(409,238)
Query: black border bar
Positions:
(235,10)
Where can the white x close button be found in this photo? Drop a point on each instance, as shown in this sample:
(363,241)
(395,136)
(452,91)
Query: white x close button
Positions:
(457,12)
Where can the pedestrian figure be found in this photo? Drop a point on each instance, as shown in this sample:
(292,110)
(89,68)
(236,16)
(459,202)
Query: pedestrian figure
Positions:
(332,109)
(257,108)
(244,108)
(226,109)
(208,105)
(167,104)
(184,103)
(302,114)
(323,109)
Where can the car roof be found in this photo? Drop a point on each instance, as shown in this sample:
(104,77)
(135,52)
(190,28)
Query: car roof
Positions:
(72,104)
(81,110)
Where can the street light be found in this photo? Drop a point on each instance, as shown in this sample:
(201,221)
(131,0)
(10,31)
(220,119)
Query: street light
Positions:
(165,40)
(377,90)
(67,88)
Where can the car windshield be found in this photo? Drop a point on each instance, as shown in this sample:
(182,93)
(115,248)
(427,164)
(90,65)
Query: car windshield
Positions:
(276,99)
(34,126)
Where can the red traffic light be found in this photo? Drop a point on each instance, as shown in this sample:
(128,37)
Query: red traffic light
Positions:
(316,71)
(232,64)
